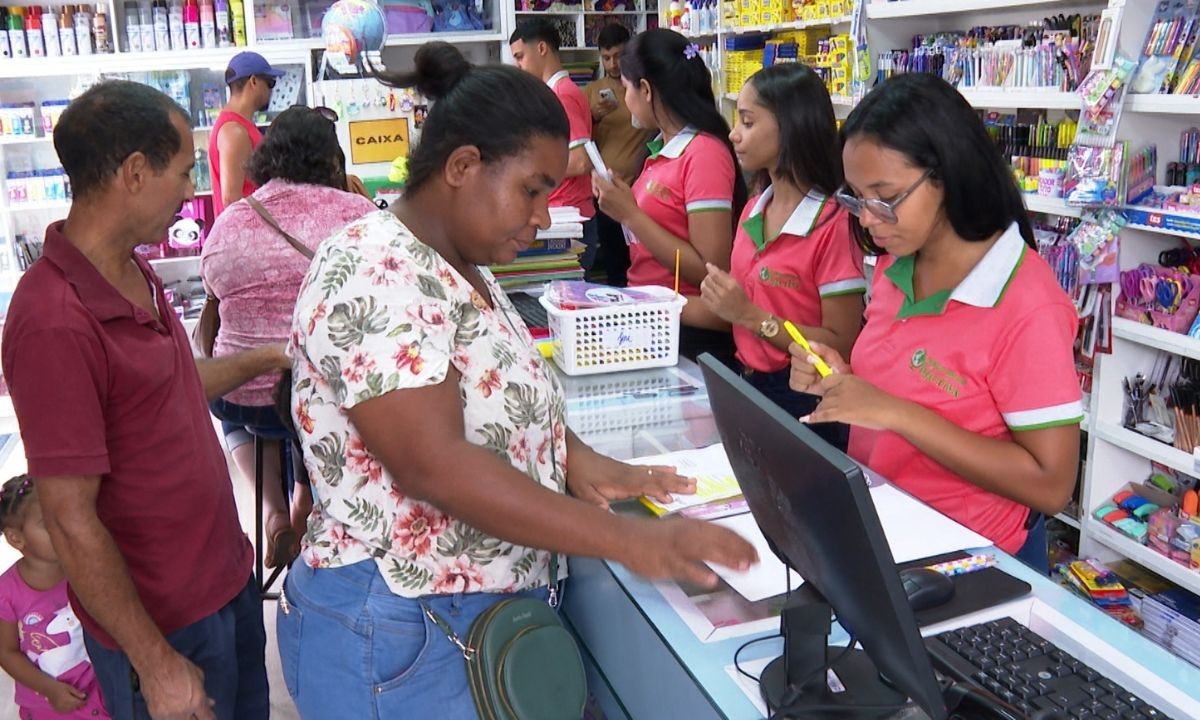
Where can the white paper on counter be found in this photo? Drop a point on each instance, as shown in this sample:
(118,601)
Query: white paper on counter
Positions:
(766,579)
(913,531)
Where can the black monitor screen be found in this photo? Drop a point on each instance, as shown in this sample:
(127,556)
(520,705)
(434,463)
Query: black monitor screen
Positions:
(813,504)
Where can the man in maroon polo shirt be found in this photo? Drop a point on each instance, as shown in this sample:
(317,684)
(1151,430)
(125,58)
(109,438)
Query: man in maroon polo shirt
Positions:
(112,409)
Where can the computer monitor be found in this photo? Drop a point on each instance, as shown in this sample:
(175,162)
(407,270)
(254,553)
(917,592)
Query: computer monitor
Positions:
(813,506)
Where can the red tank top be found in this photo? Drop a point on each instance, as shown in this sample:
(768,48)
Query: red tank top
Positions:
(214,155)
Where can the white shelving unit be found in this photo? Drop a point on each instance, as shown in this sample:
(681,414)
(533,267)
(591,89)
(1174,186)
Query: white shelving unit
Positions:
(1009,98)
(580,17)
(55,78)
(1050,205)
(879,9)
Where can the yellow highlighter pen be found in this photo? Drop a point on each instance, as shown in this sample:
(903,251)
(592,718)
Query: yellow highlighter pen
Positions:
(823,368)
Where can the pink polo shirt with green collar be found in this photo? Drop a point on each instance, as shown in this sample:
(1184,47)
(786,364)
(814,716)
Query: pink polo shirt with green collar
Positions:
(993,356)
(693,173)
(574,191)
(811,259)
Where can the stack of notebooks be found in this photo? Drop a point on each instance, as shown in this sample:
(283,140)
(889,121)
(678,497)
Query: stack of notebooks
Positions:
(1170,615)
(553,256)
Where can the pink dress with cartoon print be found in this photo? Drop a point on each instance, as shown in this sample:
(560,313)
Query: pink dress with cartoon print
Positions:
(52,638)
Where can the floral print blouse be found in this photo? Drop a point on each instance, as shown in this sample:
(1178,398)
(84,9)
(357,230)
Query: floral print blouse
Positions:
(380,311)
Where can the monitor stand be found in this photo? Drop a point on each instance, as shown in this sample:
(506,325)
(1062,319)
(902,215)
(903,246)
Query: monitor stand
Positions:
(799,681)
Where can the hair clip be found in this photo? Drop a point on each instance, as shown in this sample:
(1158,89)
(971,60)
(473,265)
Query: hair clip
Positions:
(691,51)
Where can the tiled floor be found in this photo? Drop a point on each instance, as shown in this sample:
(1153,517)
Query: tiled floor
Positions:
(281,704)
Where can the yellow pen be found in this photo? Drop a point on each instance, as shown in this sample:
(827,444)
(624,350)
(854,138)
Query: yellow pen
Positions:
(823,368)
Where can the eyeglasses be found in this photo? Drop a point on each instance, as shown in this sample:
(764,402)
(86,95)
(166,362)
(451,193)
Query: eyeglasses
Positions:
(885,210)
(328,113)
(270,81)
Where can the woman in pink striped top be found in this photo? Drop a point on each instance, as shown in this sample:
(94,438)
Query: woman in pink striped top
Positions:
(256,274)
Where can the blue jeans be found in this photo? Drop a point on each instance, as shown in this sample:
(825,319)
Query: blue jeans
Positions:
(591,243)
(797,404)
(241,423)
(228,646)
(351,648)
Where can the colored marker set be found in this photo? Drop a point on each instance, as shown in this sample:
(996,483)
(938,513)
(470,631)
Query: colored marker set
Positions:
(962,566)
(1169,61)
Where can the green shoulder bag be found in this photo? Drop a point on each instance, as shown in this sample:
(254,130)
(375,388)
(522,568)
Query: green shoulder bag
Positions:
(522,663)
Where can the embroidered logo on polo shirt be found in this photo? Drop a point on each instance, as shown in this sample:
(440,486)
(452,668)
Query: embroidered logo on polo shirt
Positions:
(933,372)
(658,190)
(779,279)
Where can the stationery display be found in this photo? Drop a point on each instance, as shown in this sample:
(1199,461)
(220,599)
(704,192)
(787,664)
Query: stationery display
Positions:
(1169,62)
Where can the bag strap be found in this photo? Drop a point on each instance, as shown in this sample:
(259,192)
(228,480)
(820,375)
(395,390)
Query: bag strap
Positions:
(467,651)
(266,216)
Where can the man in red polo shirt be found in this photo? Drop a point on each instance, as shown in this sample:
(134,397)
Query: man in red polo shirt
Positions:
(112,408)
(534,46)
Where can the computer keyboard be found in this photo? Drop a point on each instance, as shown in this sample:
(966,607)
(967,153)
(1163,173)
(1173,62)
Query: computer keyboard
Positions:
(1032,674)
(530,309)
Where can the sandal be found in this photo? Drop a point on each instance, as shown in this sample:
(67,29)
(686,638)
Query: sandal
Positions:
(282,547)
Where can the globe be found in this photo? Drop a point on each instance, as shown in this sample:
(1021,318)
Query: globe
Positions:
(352,27)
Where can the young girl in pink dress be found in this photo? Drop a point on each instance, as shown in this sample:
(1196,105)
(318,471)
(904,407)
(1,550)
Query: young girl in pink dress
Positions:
(41,640)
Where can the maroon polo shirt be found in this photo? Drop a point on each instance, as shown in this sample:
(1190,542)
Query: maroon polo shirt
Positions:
(102,388)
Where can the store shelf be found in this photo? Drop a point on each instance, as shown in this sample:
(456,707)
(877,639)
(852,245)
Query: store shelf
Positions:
(37,206)
(279,52)
(1004,98)
(26,139)
(1145,447)
(878,10)
(1067,520)
(1050,206)
(1166,219)
(1172,342)
(1164,104)
(1142,555)
(784,27)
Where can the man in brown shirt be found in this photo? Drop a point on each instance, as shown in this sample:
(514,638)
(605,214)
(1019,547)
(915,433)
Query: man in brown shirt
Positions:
(622,146)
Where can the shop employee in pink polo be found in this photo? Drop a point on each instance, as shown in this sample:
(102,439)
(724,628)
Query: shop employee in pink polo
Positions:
(689,192)
(793,258)
(961,388)
(534,46)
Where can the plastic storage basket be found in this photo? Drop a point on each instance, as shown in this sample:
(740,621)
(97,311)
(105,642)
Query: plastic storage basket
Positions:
(619,337)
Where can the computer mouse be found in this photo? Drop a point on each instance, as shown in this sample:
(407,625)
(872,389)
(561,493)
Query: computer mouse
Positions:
(926,588)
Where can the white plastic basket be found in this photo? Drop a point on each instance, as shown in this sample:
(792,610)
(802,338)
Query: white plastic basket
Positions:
(620,337)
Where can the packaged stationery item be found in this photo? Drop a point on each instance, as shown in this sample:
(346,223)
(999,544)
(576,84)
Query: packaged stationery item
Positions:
(1098,240)
(1169,46)
(1096,175)
(579,294)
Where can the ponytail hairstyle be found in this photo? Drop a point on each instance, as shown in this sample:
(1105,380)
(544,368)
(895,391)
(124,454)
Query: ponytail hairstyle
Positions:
(496,108)
(684,87)
(925,119)
(809,155)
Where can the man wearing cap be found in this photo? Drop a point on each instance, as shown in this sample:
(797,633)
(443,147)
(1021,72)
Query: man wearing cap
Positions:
(234,136)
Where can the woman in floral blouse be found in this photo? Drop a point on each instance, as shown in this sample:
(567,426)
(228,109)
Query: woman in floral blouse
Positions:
(433,431)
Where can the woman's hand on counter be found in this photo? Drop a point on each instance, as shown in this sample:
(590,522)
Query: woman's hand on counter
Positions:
(678,548)
(601,480)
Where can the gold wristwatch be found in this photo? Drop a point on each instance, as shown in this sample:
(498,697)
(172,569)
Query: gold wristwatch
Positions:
(768,328)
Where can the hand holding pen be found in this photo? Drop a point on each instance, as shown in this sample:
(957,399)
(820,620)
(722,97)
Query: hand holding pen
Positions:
(807,359)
